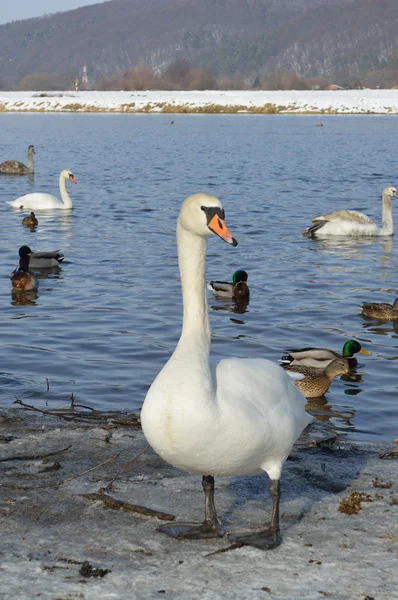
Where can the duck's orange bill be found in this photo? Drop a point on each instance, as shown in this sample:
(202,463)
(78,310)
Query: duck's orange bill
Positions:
(218,226)
(72,179)
(362,351)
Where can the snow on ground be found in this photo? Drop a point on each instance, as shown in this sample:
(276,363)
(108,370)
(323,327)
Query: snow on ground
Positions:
(342,101)
(48,533)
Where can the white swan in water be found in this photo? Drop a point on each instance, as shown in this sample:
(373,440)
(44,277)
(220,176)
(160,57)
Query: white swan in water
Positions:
(43,201)
(14,167)
(239,417)
(353,223)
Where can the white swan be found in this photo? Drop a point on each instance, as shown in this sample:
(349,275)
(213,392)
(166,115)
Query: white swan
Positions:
(14,167)
(240,417)
(353,223)
(43,201)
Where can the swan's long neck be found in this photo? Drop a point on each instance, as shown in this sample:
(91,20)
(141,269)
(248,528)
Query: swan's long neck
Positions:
(64,194)
(388,225)
(30,161)
(192,261)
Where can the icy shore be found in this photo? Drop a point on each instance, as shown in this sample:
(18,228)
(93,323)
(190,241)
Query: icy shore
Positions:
(60,541)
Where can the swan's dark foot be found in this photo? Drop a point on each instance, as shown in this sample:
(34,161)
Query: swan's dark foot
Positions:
(193,531)
(211,526)
(263,538)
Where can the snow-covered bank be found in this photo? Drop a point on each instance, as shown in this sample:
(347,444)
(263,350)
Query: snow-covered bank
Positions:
(323,102)
(50,530)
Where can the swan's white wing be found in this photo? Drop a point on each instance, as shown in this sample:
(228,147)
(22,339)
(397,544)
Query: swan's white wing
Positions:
(258,386)
(37,201)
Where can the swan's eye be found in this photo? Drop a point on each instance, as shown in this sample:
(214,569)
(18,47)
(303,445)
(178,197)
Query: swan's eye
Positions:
(202,208)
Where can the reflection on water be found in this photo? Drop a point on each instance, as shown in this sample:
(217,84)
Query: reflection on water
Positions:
(337,419)
(235,306)
(350,246)
(21,298)
(106,322)
(380,326)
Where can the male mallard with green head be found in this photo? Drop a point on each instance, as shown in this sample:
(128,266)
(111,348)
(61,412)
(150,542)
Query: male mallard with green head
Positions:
(237,289)
(321,357)
(21,279)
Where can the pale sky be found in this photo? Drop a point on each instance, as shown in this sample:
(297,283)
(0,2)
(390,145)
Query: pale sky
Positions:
(16,10)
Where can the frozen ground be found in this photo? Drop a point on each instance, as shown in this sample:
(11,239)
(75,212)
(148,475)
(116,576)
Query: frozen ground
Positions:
(343,101)
(48,532)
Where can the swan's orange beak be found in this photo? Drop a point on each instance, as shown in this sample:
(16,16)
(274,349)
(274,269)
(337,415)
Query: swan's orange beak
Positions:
(71,178)
(218,226)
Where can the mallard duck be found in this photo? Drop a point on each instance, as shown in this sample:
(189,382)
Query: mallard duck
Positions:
(380,310)
(314,382)
(14,167)
(21,279)
(30,221)
(353,223)
(238,288)
(234,417)
(321,357)
(43,201)
(42,260)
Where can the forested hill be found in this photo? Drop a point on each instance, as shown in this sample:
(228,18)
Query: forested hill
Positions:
(310,37)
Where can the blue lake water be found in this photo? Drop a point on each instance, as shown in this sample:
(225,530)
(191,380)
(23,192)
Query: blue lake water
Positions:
(104,325)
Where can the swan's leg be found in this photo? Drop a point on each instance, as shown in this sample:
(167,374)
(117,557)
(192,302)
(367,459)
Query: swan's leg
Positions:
(211,526)
(264,538)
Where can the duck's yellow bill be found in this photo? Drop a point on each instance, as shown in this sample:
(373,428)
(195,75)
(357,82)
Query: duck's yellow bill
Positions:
(362,351)
(218,226)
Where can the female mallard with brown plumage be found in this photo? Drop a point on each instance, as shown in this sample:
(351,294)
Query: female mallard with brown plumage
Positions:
(236,289)
(380,310)
(21,279)
(313,382)
(30,221)
(321,357)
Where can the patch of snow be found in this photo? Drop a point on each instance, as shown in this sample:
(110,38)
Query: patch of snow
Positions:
(314,101)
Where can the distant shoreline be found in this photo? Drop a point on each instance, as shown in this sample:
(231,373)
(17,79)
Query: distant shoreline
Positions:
(376,102)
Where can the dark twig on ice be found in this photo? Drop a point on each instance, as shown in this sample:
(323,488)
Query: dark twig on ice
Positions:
(95,417)
(120,505)
(126,466)
(35,456)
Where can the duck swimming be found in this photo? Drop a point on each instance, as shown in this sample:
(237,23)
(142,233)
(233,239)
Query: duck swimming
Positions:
(321,357)
(21,279)
(380,310)
(14,167)
(235,417)
(42,260)
(353,223)
(237,289)
(30,221)
(314,382)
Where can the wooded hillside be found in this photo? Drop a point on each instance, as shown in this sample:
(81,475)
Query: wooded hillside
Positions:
(312,38)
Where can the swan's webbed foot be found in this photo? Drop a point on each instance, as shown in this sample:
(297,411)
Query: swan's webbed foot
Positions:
(263,538)
(211,526)
(193,531)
